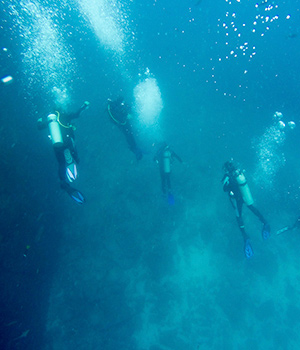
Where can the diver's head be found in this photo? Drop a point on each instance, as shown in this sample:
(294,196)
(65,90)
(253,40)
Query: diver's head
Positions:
(162,146)
(229,167)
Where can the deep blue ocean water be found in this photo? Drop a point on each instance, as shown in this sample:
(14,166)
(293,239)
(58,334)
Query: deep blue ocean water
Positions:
(126,270)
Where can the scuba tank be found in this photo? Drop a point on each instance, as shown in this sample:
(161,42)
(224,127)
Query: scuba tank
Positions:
(244,188)
(167,160)
(54,130)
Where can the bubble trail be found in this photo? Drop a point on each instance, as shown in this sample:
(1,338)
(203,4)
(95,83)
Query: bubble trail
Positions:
(47,63)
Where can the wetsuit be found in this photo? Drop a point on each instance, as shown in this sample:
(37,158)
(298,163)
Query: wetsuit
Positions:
(164,157)
(119,111)
(66,153)
(231,186)
(68,136)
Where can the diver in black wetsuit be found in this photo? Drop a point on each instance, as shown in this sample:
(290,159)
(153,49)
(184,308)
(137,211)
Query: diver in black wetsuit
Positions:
(63,140)
(164,158)
(290,228)
(119,113)
(234,182)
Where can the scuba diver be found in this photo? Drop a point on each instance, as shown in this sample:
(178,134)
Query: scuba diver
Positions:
(61,132)
(164,158)
(119,113)
(235,183)
(290,228)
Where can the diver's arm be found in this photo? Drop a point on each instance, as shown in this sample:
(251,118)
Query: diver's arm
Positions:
(296,224)
(157,157)
(69,117)
(226,183)
(176,156)
(42,123)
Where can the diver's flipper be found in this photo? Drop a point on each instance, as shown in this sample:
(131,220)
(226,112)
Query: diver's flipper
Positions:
(248,249)
(77,197)
(266,231)
(284,229)
(71,168)
(71,172)
(171,200)
(74,194)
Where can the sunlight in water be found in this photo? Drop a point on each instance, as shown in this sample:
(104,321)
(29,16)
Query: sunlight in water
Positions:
(46,59)
(107,21)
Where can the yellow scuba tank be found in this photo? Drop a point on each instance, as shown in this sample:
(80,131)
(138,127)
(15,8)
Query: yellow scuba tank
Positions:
(167,160)
(244,188)
(54,130)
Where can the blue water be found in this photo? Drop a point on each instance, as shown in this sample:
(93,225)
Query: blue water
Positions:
(127,270)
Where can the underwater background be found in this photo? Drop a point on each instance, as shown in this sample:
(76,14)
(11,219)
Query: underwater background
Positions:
(127,270)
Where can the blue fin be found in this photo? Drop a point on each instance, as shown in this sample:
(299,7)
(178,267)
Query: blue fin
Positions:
(248,249)
(171,200)
(266,231)
(78,197)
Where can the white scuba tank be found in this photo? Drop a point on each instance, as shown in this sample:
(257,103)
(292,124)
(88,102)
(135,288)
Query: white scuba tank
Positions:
(54,130)
(167,160)
(244,188)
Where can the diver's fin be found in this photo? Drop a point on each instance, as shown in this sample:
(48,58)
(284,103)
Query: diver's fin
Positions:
(71,172)
(284,229)
(266,231)
(71,168)
(73,193)
(248,249)
(77,196)
(171,200)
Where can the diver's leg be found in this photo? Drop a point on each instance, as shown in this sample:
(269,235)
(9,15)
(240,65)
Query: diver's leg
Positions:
(168,182)
(266,231)
(59,154)
(238,206)
(163,181)
(73,149)
(248,251)
(256,212)
(127,131)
